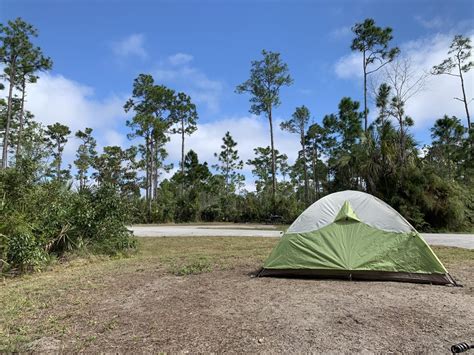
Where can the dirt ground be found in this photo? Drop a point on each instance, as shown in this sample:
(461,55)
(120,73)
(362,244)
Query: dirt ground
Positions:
(230,312)
(142,307)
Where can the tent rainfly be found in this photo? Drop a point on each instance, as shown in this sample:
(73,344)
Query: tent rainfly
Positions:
(354,235)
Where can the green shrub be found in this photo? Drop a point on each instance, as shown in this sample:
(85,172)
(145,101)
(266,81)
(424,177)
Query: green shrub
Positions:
(50,219)
(211,213)
(22,249)
(112,238)
(99,216)
(3,252)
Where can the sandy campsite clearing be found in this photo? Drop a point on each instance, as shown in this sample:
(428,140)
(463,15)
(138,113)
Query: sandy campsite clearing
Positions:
(198,295)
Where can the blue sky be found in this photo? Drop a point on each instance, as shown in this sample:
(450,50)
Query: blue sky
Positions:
(205,49)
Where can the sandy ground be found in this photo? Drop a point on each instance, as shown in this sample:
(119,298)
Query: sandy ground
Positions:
(231,312)
(242,230)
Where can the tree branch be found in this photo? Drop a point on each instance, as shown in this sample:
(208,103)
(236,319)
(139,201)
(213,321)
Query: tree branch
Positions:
(373,71)
(445,73)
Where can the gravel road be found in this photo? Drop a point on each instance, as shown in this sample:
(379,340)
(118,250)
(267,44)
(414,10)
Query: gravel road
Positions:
(452,240)
(201,231)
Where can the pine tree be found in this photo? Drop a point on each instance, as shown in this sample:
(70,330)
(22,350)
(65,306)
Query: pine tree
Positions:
(267,77)
(262,167)
(297,124)
(85,155)
(21,60)
(57,137)
(229,164)
(459,61)
(372,41)
(153,108)
(184,117)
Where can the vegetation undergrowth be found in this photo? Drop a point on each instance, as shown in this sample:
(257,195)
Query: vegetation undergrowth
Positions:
(50,219)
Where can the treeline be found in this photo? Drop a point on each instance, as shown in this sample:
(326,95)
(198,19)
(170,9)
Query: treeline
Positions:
(42,214)
(48,206)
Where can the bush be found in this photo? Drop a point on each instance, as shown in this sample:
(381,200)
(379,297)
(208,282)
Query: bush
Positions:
(21,249)
(3,252)
(50,219)
(211,213)
(99,216)
(187,208)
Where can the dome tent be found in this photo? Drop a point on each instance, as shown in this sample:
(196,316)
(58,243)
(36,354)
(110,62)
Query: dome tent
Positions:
(355,235)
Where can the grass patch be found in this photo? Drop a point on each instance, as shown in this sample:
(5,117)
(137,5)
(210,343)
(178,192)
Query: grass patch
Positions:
(196,267)
(26,302)
(454,256)
(43,304)
(186,256)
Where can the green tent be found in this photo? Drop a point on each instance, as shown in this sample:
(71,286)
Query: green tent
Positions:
(354,235)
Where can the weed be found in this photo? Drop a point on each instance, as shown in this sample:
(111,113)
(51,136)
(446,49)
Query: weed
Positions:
(199,266)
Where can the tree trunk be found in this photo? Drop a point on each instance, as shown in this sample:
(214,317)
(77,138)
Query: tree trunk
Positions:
(400,181)
(273,160)
(402,140)
(58,164)
(147,173)
(155,178)
(305,173)
(315,175)
(152,169)
(148,177)
(182,147)
(20,127)
(227,173)
(9,114)
(182,157)
(365,94)
(465,100)
(382,139)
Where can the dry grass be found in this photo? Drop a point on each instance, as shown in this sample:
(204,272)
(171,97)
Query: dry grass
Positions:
(23,300)
(48,304)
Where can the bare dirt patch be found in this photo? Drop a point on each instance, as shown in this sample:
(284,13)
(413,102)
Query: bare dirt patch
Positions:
(136,304)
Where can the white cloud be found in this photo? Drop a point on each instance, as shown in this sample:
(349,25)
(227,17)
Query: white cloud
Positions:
(436,22)
(55,98)
(349,66)
(180,59)
(177,72)
(249,132)
(341,32)
(437,97)
(113,137)
(132,45)
(58,99)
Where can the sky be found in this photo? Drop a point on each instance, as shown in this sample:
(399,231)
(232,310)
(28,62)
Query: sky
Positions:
(205,48)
